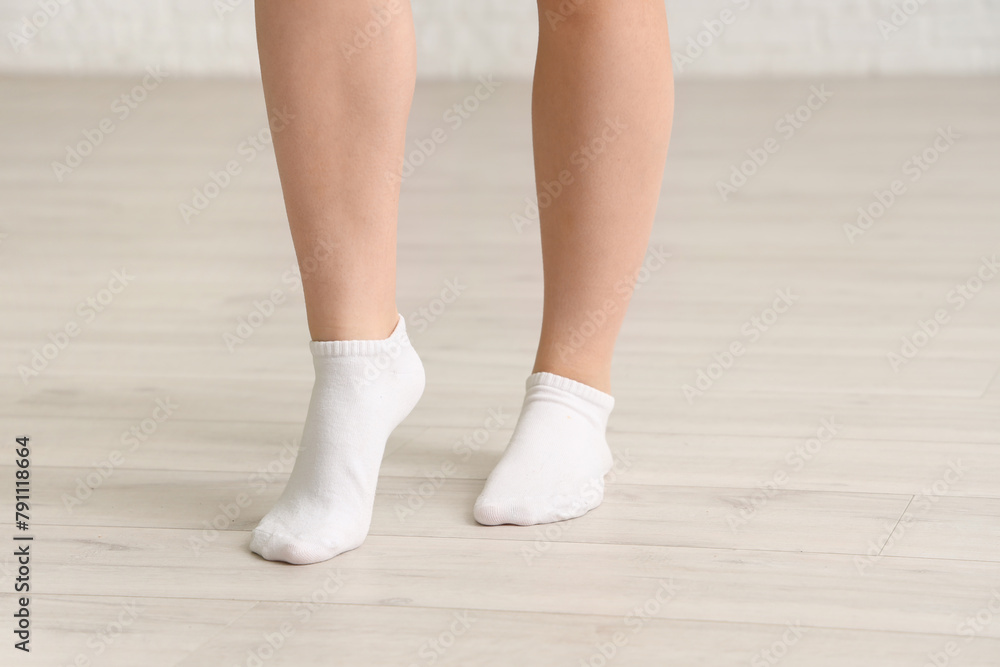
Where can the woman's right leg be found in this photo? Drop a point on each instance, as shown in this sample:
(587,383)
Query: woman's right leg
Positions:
(343,74)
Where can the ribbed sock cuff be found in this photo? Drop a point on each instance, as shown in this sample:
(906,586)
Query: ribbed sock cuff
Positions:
(361,348)
(584,391)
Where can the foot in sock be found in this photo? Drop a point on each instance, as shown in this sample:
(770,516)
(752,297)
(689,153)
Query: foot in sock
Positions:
(363,390)
(554,466)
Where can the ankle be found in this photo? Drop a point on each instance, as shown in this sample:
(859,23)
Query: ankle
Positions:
(358,326)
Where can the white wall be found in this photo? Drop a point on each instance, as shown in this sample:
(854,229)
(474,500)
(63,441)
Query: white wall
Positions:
(459,38)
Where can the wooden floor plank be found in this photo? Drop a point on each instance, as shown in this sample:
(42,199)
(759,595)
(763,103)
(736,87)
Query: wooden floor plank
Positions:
(884,593)
(796,521)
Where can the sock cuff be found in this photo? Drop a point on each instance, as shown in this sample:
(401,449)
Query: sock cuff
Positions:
(361,348)
(584,391)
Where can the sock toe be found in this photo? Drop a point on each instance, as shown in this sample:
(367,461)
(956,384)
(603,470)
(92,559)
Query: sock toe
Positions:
(496,512)
(531,511)
(278,547)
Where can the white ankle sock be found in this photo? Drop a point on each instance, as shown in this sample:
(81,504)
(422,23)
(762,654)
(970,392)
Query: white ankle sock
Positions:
(554,466)
(363,390)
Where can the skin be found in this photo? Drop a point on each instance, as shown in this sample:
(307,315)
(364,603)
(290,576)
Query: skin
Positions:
(602,106)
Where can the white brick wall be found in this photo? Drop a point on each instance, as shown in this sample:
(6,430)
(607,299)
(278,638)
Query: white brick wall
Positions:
(459,38)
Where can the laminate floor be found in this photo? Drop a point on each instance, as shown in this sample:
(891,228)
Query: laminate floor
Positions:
(829,497)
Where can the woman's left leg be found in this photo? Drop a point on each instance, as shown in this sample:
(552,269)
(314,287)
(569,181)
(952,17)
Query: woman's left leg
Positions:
(602,107)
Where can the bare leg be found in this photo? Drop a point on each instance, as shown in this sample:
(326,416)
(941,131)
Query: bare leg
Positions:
(601,115)
(349,106)
(603,82)
(344,73)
